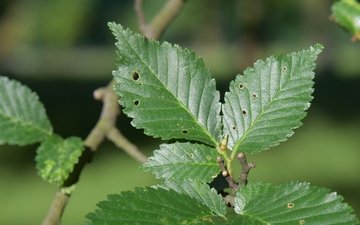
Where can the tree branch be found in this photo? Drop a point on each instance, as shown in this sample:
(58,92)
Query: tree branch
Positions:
(161,21)
(105,127)
(245,169)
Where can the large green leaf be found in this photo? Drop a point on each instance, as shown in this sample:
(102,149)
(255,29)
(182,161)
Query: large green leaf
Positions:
(22,116)
(347,14)
(152,206)
(292,203)
(266,103)
(56,158)
(182,160)
(165,89)
(200,191)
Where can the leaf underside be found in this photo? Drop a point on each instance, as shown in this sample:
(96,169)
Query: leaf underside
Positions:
(151,206)
(56,158)
(182,160)
(166,90)
(266,103)
(292,203)
(23,119)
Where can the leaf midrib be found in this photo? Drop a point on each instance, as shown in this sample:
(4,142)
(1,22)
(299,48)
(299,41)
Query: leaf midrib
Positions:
(181,104)
(249,130)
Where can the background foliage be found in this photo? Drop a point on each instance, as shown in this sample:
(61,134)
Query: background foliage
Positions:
(65,66)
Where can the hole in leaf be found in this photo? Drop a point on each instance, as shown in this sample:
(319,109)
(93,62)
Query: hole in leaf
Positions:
(302,221)
(208,157)
(135,75)
(244,112)
(233,127)
(185,131)
(140,84)
(241,86)
(290,205)
(284,68)
(255,95)
(136,102)
(191,155)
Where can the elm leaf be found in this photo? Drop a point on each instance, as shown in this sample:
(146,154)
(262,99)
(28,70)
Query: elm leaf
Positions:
(265,104)
(165,89)
(23,119)
(57,157)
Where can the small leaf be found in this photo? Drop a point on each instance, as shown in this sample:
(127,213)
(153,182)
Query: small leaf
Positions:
(266,103)
(182,160)
(347,14)
(23,119)
(151,206)
(293,203)
(165,89)
(200,191)
(56,158)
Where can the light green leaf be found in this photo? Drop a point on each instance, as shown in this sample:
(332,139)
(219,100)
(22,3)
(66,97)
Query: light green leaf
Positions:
(165,89)
(266,103)
(293,203)
(347,14)
(200,191)
(23,119)
(56,158)
(182,160)
(151,206)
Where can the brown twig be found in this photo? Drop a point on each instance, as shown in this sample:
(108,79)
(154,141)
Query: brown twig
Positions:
(161,21)
(245,169)
(140,15)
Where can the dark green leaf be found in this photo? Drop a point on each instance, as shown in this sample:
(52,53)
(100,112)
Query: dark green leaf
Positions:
(266,103)
(56,158)
(200,191)
(182,160)
(293,203)
(23,119)
(165,89)
(151,206)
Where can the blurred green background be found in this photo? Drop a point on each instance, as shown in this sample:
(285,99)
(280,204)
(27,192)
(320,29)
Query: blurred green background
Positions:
(63,50)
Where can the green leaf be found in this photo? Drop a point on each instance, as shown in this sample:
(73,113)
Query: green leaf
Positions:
(266,103)
(200,191)
(56,158)
(235,219)
(182,160)
(293,203)
(347,14)
(151,206)
(23,119)
(165,89)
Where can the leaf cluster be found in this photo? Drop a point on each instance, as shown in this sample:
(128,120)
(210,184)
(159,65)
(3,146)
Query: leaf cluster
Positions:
(23,121)
(169,93)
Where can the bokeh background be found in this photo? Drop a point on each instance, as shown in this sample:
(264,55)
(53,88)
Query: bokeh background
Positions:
(63,50)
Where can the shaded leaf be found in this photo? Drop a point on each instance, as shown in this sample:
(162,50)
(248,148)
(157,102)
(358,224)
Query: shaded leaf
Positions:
(293,203)
(56,158)
(182,160)
(151,206)
(165,89)
(23,119)
(200,191)
(266,103)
